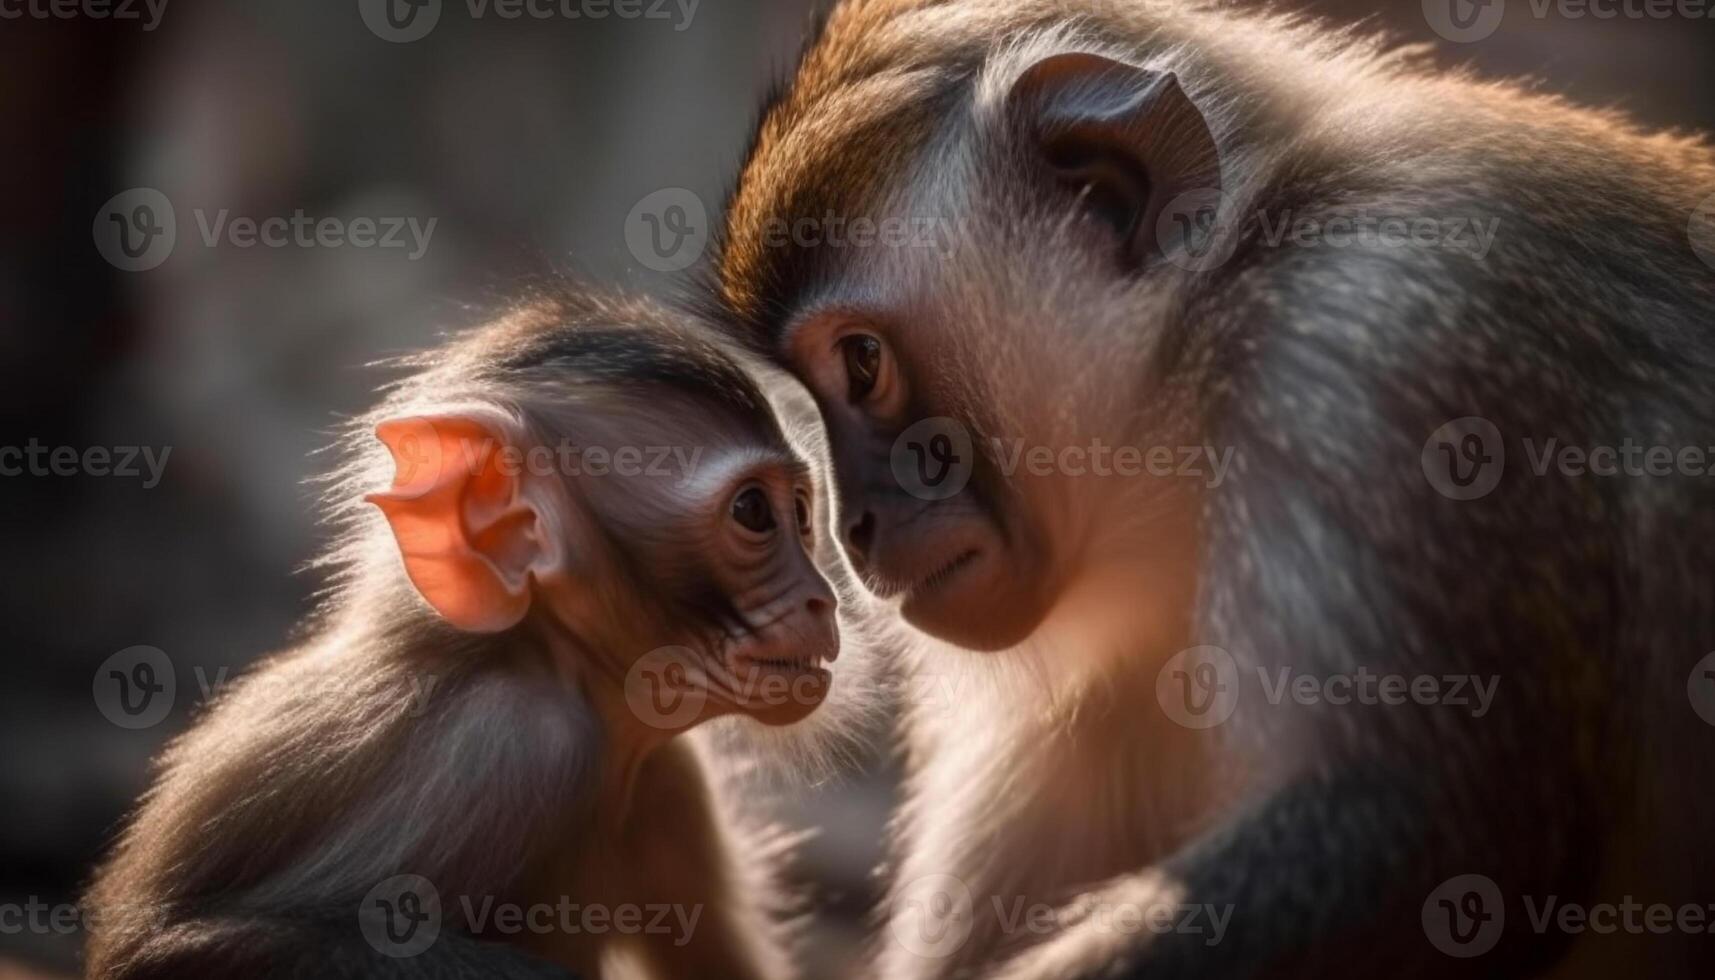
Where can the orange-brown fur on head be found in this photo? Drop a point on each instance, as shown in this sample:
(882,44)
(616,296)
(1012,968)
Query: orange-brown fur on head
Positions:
(883,78)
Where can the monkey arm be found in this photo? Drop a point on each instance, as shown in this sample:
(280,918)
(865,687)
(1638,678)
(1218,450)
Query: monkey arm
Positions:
(1331,871)
(1326,878)
(1327,871)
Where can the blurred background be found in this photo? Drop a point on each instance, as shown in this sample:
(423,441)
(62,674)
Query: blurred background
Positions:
(501,149)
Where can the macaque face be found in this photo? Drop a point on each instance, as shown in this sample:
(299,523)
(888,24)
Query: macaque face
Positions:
(721,553)
(1028,322)
(971,567)
(976,340)
(661,528)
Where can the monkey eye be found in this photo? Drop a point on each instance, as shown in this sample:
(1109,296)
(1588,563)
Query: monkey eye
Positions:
(750,509)
(863,363)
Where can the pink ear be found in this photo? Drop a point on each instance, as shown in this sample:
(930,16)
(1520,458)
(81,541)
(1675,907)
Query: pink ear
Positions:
(466,532)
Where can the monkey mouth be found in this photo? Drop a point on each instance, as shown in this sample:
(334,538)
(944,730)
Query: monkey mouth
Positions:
(743,665)
(777,687)
(938,579)
(787,653)
(907,587)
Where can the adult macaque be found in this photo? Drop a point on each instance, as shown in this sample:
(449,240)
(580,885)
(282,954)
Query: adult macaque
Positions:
(585,533)
(1116,176)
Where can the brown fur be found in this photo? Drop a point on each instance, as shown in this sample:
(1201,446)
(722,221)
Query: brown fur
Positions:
(390,743)
(1049,774)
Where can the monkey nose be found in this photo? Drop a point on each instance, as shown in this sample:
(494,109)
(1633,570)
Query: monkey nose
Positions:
(819,607)
(860,535)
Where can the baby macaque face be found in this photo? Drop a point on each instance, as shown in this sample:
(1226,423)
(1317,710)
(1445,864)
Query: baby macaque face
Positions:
(732,607)
(641,505)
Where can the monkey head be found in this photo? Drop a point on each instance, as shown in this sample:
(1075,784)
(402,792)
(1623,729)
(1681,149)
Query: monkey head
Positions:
(1022,306)
(626,493)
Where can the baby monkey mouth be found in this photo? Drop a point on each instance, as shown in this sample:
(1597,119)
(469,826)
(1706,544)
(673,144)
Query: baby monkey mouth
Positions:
(784,648)
(782,662)
(769,682)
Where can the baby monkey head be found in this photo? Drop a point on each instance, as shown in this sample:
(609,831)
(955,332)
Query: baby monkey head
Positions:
(601,475)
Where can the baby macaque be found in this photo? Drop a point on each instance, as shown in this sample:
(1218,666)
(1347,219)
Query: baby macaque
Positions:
(572,536)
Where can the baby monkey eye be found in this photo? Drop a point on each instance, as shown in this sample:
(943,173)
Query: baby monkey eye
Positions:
(750,509)
(863,363)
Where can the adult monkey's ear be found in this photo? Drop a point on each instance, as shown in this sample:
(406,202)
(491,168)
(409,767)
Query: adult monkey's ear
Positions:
(1131,136)
(472,527)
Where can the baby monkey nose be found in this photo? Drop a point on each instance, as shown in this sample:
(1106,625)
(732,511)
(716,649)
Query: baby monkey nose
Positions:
(820,610)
